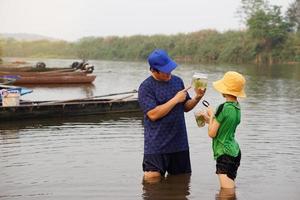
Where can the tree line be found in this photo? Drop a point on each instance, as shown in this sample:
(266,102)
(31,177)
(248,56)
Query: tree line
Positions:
(270,37)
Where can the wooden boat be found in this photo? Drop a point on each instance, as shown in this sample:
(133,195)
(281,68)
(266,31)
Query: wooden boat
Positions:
(12,68)
(19,66)
(50,77)
(52,73)
(80,107)
(7,80)
(61,79)
(49,73)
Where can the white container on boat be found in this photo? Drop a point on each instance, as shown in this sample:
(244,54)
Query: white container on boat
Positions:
(10,98)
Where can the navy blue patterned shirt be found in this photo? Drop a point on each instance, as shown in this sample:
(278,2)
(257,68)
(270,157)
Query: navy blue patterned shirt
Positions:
(167,134)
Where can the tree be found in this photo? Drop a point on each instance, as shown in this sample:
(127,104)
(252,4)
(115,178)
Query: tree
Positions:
(270,31)
(266,26)
(293,15)
(249,7)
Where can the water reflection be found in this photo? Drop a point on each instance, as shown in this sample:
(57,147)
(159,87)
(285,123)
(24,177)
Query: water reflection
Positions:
(98,157)
(12,127)
(226,194)
(170,187)
(8,135)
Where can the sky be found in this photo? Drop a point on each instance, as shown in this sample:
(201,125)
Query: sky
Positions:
(73,19)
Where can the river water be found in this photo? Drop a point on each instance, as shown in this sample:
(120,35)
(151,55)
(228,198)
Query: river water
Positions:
(100,157)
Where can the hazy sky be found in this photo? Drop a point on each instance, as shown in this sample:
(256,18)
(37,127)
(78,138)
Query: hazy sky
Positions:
(73,19)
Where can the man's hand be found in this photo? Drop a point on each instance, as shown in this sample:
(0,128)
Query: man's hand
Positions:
(162,110)
(181,95)
(199,93)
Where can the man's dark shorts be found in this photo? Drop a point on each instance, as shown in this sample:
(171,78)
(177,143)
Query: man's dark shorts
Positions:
(173,163)
(228,165)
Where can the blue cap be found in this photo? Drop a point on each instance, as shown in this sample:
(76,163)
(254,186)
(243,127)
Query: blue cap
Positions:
(160,61)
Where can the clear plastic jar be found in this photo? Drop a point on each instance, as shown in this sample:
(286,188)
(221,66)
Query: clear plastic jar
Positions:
(199,80)
(199,119)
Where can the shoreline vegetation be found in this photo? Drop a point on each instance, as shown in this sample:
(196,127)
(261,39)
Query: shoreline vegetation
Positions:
(206,46)
(269,38)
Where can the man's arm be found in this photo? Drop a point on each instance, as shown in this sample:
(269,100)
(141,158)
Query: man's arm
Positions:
(190,104)
(162,110)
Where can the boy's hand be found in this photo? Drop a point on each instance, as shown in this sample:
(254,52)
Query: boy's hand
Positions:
(210,111)
(204,115)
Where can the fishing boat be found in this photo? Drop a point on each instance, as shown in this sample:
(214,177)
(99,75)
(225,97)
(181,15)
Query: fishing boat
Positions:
(7,79)
(78,73)
(68,108)
(61,72)
(19,66)
(55,79)
(57,76)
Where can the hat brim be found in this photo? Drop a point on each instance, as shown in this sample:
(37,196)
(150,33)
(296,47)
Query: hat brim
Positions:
(168,68)
(221,87)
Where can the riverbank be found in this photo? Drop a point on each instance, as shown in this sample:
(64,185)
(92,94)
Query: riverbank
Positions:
(206,46)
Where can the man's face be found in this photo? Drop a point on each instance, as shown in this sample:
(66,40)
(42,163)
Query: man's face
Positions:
(161,76)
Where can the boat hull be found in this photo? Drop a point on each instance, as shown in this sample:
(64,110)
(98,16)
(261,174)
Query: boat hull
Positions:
(48,73)
(67,109)
(55,79)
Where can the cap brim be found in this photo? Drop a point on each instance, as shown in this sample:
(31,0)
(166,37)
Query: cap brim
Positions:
(168,68)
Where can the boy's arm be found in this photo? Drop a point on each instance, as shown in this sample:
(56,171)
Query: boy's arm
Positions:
(213,124)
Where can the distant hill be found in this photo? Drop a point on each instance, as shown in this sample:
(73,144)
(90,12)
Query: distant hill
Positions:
(26,36)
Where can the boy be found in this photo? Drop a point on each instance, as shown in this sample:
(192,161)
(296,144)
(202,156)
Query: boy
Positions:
(222,126)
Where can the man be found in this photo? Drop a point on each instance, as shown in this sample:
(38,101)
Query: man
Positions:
(164,99)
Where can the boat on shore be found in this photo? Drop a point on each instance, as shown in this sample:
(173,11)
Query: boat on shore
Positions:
(55,79)
(22,66)
(69,108)
(48,73)
(51,77)
(79,72)
(7,79)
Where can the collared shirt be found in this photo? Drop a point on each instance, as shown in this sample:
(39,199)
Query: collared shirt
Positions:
(167,134)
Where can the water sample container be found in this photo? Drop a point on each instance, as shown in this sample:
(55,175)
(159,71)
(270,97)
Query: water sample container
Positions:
(199,80)
(199,119)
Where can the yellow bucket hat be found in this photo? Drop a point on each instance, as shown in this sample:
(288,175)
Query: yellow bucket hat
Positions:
(232,83)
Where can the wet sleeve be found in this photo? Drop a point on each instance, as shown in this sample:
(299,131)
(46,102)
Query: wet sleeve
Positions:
(146,99)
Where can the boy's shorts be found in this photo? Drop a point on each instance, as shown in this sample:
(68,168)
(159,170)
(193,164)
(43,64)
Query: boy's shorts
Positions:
(173,163)
(228,165)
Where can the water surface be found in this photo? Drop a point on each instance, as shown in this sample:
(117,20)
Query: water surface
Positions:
(99,157)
